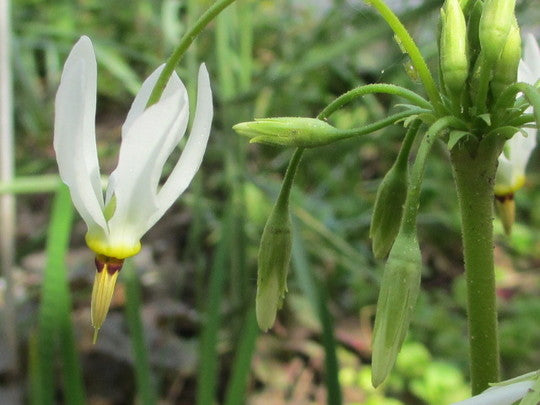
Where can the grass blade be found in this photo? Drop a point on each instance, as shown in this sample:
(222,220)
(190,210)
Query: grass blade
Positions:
(236,391)
(317,296)
(208,367)
(145,386)
(53,312)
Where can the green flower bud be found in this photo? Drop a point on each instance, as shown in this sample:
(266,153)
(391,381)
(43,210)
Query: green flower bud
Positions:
(507,66)
(274,257)
(466,6)
(473,27)
(454,47)
(497,18)
(288,131)
(399,290)
(388,210)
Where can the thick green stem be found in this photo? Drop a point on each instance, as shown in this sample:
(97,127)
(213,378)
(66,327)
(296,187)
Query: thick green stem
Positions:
(474,175)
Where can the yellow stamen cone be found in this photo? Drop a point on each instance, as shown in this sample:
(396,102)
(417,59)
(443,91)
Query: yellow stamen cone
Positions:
(102,292)
(506,209)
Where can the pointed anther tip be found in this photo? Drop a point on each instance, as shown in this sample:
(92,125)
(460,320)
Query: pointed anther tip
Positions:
(94,338)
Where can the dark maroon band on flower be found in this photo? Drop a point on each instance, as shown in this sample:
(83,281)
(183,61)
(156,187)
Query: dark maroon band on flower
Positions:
(112,263)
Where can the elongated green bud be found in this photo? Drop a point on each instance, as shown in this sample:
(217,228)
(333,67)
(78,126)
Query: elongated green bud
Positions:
(274,257)
(497,18)
(506,68)
(288,131)
(388,210)
(466,6)
(473,28)
(397,298)
(454,51)
(390,199)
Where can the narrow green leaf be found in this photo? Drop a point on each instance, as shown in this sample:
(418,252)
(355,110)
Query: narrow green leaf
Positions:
(208,363)
(317,297)
(52,300)
(145,386)
(236,390)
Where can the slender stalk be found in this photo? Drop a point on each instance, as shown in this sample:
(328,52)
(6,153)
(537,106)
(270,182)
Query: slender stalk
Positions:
(474,176)
(408,44)
(367,129)
(372,89)
(286,186)
(410,208)
(7,202)
(184,44)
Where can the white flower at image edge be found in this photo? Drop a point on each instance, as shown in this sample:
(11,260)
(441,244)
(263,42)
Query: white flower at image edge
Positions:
(134,201)
(512,163)
(500,395)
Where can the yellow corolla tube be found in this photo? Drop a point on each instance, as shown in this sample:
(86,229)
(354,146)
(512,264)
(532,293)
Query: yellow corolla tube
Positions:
(134,200)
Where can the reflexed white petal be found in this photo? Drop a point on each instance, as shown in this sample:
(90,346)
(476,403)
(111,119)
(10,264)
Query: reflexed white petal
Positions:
(74,132)
(144,150)
(499,395)
(191,158)
(511,168)
(173,88)
(139,103)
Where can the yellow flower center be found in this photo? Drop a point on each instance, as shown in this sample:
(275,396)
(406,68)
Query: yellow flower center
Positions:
(104,247)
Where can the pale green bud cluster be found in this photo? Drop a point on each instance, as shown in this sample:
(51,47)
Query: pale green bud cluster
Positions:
(480,49)
(288,131)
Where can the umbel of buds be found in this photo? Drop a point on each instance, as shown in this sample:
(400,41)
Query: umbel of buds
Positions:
(479,48)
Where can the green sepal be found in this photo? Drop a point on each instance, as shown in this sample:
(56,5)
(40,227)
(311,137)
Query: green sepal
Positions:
(455,136)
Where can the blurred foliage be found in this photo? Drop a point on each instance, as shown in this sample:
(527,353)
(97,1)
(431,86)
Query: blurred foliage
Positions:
(303,57)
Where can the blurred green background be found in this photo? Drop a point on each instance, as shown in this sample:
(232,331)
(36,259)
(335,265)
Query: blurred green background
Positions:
(197,270)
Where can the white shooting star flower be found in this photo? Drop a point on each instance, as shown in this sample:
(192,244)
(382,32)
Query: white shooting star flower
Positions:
(134,201)
(526,387)
(513,161)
